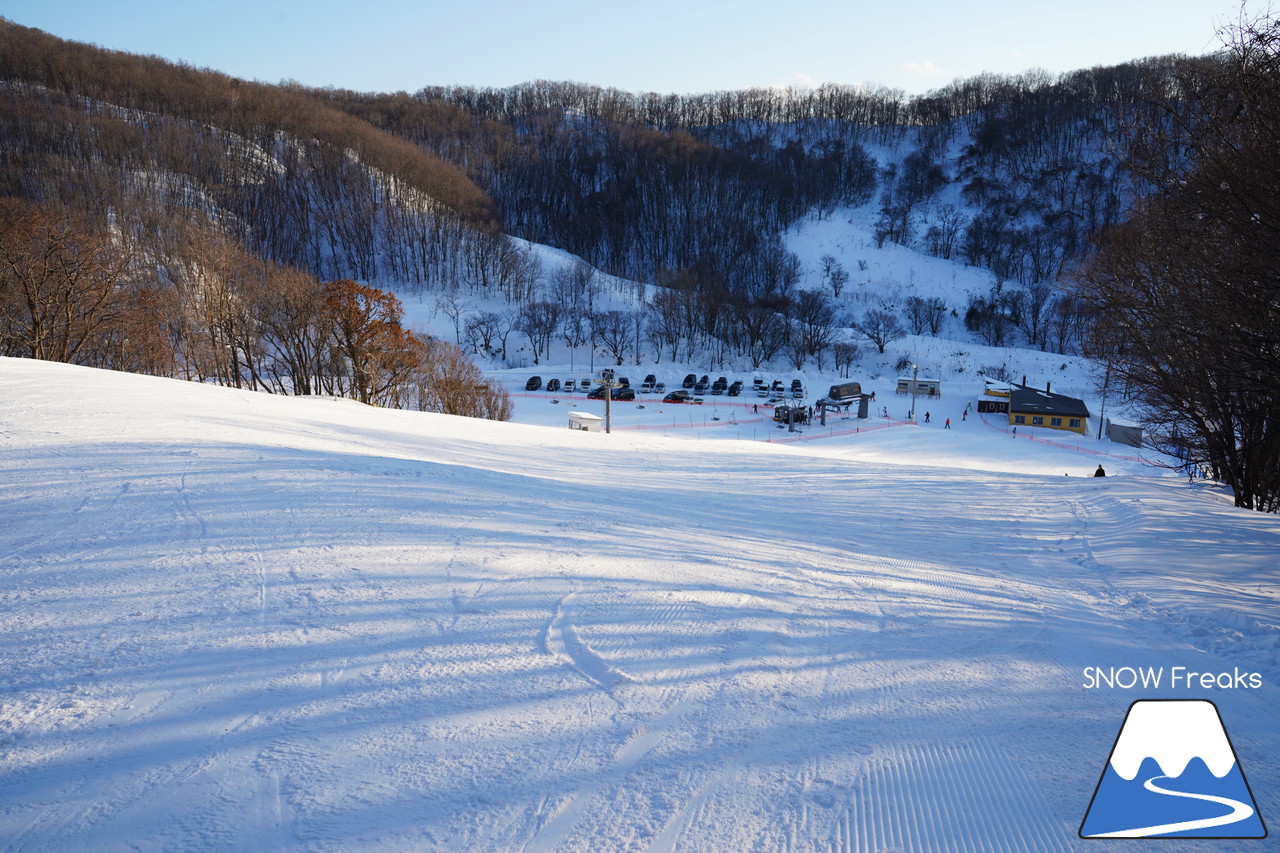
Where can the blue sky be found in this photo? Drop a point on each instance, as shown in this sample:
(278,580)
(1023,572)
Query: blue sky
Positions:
(660,45)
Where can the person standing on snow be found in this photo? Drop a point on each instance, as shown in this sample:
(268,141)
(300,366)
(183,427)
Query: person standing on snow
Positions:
(948,426)
(1100,472)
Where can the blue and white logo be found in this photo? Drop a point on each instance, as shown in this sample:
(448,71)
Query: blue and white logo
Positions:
(1172,774)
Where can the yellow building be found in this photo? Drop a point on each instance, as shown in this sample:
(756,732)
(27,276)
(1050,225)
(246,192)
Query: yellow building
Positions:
(1033,407)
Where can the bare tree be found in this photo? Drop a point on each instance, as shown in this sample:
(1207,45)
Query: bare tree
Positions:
(880,327)
(539,321)
(834,275)
(447,382)
(1033,316)
(763,331)
(917,315)
(613,329)
(1187,293)
(815,319)
(487,332)
(845,354)
(61,279)
(455,307)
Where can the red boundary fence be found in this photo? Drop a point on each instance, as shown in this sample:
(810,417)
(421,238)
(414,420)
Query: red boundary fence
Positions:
(1049,441)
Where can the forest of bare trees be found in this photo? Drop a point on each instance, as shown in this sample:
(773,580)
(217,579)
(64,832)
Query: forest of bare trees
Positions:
(1186,292)
(71,290)
(210,227)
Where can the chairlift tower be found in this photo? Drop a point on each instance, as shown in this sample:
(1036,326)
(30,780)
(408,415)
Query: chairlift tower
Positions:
(609,381)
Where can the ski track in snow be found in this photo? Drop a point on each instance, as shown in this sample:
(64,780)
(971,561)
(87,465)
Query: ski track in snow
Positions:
(239,622)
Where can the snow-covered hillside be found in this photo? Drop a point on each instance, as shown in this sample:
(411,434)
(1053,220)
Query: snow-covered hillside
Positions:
(234,621)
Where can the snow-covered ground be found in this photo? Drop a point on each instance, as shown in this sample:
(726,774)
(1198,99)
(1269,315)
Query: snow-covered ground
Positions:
(233,621)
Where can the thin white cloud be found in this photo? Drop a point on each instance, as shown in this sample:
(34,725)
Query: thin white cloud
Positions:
(797,80)
(926,68)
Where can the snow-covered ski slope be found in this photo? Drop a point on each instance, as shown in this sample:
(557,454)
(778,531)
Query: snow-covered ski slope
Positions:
(233,621)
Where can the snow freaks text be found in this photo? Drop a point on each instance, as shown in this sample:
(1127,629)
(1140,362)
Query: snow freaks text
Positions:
(1175,678)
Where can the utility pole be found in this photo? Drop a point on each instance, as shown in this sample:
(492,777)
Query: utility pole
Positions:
(915,372)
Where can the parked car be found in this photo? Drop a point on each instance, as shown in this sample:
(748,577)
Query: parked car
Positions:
(660,388)
(624,382)
(736,388)
(584,384)
(569,386)
(762,390)
(553,385)
(651,379)
(597,393)
(689,381)
(534,383)
(681,396)
(700,387)
(646,387)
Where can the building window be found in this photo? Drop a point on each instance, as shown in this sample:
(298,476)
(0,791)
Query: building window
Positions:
(1055,422)
(1036,420)
(1075,423)
(1019,419)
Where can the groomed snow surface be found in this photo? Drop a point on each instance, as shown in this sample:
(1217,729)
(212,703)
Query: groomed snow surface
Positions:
(233,621)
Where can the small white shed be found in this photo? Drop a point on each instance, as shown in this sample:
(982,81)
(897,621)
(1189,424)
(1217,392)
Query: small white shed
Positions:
(585,421)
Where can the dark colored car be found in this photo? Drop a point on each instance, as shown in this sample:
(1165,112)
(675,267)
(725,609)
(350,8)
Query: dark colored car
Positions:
(597,393)
(534,383)
(735,389)
(681,396)
(553,385)
(689,381)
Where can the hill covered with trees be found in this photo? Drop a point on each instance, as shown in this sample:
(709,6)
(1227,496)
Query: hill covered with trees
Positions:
(175,220)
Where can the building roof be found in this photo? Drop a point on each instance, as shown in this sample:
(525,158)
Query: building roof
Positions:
(1036,402)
